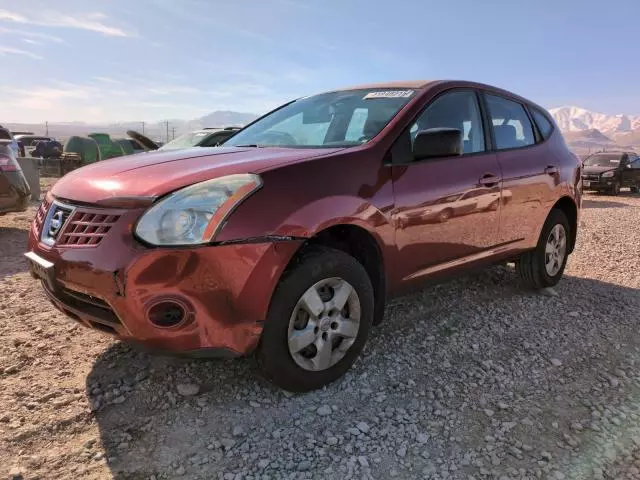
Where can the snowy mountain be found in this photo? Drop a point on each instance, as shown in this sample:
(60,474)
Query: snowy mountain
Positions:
(575,119)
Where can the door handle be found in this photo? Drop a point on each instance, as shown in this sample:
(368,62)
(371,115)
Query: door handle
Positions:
(489,180)
(551,170)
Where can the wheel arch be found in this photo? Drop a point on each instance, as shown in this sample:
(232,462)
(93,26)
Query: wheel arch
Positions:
(362,243)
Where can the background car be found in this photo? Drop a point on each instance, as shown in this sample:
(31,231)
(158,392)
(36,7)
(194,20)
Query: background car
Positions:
(610,171)
(7,139)
(207,137)
(29,141)
(14,189)
(47,149)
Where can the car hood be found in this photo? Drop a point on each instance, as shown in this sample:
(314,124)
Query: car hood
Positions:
(146,176)
(143,141)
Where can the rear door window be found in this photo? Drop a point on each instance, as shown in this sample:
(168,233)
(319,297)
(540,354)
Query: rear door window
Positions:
(511,125)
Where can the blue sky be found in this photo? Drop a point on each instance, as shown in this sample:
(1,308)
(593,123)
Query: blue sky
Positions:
(116,60)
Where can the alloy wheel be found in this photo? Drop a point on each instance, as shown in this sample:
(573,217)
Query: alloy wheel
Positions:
(555,250)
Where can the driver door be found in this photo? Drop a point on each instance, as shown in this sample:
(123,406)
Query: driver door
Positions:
(440,214)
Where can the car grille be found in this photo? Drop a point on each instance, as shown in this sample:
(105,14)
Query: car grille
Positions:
(592,177)
(86,228)
(41,214)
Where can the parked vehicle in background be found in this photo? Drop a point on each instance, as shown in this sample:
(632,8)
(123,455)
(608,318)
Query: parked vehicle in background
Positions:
(287,240)
(7,139)
(207,137)
(610,171)
(144,143)
(130,146)
(14,188)
(47,149)
(29,141)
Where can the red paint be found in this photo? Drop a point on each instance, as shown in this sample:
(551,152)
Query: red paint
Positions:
(226,289)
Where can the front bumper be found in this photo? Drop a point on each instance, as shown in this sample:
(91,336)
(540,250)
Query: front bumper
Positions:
(113,286)
(597,183)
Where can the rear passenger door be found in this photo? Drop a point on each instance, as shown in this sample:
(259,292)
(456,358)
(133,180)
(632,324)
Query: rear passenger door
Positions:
(445,208)
(528,187)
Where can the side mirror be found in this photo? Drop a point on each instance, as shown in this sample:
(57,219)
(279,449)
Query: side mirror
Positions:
(437,142)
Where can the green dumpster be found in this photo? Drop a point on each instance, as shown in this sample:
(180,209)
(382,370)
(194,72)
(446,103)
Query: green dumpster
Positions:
(108,148)
(86,148)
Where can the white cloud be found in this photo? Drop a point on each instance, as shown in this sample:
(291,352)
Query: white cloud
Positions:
(18,51)
(93,22)
(31,42)
(31,35)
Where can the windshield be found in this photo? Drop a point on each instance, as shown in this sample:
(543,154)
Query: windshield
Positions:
(187,140)
(335,119)
(604,160)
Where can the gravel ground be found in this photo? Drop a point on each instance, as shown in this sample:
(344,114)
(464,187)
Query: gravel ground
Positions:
(474,378)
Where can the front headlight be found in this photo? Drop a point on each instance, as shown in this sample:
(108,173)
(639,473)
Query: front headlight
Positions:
(194,214)
(608,174)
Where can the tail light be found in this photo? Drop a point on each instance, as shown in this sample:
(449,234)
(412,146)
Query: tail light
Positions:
(8,164)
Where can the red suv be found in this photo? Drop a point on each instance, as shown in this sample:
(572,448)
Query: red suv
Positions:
(289,238)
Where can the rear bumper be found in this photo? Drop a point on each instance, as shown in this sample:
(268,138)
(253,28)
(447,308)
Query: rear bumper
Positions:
(16,192)
(223,291)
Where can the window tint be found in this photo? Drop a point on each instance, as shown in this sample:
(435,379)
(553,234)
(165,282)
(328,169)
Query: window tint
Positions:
(511,125)
(454,110)
(544,125)
(636,164)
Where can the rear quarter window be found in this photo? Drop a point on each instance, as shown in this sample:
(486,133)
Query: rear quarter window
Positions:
(545,127)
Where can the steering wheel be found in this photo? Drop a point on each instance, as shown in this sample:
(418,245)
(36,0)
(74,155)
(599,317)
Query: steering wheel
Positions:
(278,138)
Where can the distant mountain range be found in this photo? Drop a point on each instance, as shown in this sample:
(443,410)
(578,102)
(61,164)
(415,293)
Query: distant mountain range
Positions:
(587,131)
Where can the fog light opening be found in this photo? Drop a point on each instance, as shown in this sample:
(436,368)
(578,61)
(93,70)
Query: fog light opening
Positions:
(166,314)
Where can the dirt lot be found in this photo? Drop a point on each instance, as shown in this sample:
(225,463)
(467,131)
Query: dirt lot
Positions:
(475,378)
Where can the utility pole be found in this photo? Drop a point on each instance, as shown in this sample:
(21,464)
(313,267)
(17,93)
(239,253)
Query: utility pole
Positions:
(173,133)
(167,124)
(142,128)
(46,126)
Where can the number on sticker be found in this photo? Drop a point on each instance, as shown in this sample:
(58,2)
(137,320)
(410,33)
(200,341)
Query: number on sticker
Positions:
(389,94)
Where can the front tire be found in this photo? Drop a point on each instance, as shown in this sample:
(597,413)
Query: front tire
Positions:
(544,266)
(615,190)
(318,321)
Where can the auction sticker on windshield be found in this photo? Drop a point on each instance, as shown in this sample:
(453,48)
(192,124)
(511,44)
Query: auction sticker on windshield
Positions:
(389,94)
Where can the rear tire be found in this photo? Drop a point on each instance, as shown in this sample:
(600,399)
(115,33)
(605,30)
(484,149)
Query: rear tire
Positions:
(316,266)
(532,267)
